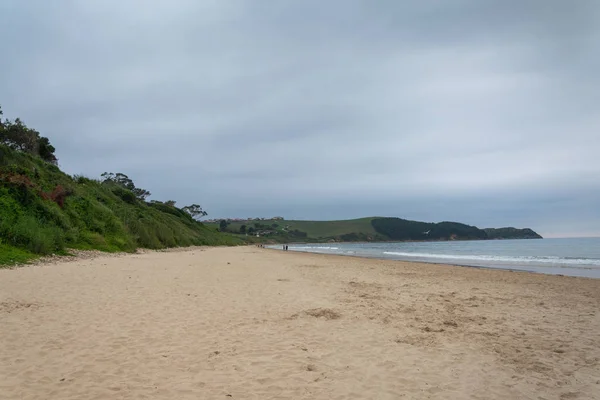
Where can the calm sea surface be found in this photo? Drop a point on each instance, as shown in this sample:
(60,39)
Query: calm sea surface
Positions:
(573,257)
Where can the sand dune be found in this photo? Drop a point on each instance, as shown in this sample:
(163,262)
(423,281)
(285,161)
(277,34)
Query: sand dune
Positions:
(249,323)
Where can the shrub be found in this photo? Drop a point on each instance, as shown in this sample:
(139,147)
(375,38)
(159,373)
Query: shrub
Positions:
(126,195)
(29,233)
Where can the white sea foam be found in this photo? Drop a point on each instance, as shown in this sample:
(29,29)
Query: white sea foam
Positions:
(314,247)
(575,257)
(501,259)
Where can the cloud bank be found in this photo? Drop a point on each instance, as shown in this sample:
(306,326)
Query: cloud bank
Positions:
(480,111)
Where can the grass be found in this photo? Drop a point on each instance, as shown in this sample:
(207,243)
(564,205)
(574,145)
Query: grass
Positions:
(10,256)
(318,229)
(94,215)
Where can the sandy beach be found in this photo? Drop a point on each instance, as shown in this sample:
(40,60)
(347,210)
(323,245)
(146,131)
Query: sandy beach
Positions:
(250,323)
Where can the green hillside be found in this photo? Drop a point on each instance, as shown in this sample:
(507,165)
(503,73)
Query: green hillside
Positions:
(365,229)
(309,231)
(334,228)
(511,233)
(402,229)
(45,211)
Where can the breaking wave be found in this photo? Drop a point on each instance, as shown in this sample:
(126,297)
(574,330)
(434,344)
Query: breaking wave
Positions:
(314,247)
(502,259)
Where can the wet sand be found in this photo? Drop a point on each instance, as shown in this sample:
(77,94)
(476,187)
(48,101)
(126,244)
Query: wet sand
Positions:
(252,323)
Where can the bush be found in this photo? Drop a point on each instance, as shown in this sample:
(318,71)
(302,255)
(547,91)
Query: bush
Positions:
(126,195)
(29,233)
(84,180)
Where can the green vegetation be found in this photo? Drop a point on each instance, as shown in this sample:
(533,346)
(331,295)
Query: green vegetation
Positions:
(45,211)
(402,229)
(17,136)
(511,233)
(12,256)
(334,229)
(363,230)
(312,230)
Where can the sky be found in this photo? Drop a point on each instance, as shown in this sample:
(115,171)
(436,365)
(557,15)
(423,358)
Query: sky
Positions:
(478,111)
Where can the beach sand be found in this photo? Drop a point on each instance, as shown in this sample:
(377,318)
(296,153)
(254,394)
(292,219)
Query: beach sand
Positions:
(250,323)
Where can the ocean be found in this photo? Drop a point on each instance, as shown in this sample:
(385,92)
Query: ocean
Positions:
(572,257)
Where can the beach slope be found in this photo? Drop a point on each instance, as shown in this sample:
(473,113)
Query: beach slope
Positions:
(250,323)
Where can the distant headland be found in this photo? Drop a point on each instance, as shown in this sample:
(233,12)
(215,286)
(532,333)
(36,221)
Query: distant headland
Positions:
(370,229)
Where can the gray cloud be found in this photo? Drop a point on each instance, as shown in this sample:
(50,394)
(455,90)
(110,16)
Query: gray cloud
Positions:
(481,111)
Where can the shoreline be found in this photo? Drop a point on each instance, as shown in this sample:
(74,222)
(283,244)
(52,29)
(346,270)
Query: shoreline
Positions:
(243,322)
(483,267)
(408,241)
(78,255)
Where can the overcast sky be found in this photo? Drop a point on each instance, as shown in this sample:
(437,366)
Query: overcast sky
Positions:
(480,111)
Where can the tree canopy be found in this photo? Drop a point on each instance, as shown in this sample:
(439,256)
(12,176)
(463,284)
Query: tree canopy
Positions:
(195,211)
(223,225)
(125,182)
(16,135)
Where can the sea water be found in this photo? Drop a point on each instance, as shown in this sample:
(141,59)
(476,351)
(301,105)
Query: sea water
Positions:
(573,256)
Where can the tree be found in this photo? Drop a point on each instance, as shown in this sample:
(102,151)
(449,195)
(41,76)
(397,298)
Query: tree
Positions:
(46,151)
(243,229)
(251,231)
(195,211)
(16,135)
(170,203)
(1,123)
(223,225)
(119,179)
(125,182)
(141,194)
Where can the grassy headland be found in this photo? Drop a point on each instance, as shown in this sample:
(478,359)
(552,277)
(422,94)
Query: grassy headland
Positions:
(364,229)
(45,211)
